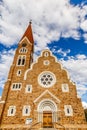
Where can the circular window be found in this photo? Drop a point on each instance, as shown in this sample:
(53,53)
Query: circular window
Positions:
(46,79)
(24,45)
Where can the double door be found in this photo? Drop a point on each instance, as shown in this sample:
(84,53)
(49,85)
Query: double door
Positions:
(47,120)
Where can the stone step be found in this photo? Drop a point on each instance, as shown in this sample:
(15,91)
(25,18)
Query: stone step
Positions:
(49,129)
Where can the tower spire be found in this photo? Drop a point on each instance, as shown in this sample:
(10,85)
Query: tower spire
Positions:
(28,33)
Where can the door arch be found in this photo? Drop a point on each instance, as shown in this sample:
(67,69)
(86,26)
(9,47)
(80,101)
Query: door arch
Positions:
(47,111)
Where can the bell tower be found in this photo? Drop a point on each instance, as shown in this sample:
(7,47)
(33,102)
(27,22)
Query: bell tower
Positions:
(23,55)
(22,60)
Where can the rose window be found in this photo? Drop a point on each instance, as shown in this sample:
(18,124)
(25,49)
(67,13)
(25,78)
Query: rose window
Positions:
(46,79)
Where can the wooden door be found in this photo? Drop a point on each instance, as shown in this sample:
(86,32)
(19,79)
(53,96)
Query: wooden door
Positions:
(47,120)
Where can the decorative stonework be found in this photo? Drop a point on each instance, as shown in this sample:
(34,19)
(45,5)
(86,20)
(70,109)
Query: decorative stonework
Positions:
(46,79)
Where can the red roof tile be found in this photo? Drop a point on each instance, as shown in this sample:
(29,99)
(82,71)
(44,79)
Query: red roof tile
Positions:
(28,33)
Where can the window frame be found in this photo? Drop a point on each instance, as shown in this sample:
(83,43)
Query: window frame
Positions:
(21,58)
(22,50)
(9,111)
(63,87)
(24,110)
(27,87)
(18,72)
(46,53)
(46,62)
(70,112)
(28,121)
(15,86)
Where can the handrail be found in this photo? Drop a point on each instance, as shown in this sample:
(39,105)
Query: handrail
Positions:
(35,125)
(59,125)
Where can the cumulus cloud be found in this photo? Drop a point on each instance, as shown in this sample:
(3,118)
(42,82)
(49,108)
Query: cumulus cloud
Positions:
(84,104)
(85,37)
(77,68)
(6,58)
(63,53)
(51,20)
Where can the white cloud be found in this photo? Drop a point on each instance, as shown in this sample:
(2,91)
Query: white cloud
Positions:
(6,58)
(77,68)
(85,37)
(84,104)
(51,20)
(64,53)
(84,25)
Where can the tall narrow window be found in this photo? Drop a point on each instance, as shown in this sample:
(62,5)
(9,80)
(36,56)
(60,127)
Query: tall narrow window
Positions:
(11,110)
(21,60)
(26,110)
(28,89)
(16,86)
(18,72)
(46,54)
(68,110)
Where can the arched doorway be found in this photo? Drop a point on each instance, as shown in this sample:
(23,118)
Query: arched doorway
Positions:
(47,110)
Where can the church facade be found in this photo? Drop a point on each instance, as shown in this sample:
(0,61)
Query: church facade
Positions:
(39,95)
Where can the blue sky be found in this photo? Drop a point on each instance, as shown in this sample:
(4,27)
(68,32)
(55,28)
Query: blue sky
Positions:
(60,27)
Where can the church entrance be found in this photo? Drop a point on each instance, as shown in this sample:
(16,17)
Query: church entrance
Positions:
(47,119)
(47,113)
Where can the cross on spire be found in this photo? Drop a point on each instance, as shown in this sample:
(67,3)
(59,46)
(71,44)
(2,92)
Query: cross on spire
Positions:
(30,22)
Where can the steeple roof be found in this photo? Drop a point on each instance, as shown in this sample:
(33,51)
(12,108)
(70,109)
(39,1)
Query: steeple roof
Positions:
(28,33)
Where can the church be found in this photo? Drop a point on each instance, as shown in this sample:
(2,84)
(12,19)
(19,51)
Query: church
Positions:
(39,95)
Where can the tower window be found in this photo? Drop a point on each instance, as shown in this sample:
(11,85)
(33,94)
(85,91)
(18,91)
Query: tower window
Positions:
(21,60)
(24,45)
(65,88)
(26,110)
(16,86)
(23,50)
(18,72)
(11,110)
(68,110)
(28,89)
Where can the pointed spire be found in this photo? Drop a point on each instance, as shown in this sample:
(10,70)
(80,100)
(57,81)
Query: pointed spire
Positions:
(28,33)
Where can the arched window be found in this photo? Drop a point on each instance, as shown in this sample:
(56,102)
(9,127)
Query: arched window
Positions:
(21,60)
(23,50)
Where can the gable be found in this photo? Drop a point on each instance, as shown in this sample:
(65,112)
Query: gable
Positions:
(46,62)
(47,92)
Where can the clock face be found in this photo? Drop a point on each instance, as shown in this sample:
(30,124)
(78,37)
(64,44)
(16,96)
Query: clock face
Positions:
(46,79)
